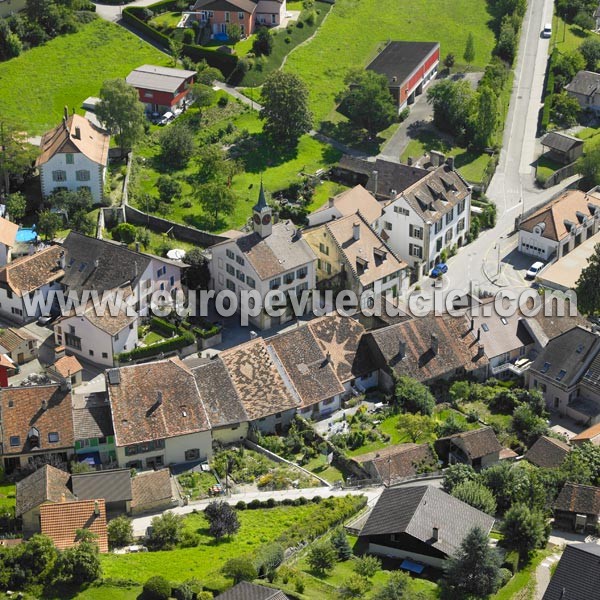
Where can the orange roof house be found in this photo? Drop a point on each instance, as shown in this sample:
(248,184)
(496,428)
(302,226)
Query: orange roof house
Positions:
(61,521)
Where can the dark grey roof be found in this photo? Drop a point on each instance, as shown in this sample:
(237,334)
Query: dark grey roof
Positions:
(476,443)
(95,264)
(391,178)
(568,352)
(585,83)
(560,142)
(418,510)
(113,485)
(398,60)
(91,416)
(578,498)
(577,576)
(219,395)
(547,452)
(251,591)
(227,5)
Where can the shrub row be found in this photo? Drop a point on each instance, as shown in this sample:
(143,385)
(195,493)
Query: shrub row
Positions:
(206,332)
(163,327)
(548,92)
(181,341)
(226,63)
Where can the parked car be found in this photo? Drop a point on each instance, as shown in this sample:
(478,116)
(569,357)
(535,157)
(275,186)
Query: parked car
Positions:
(166,118)
(45,319)
(534,269)
(439,270)
(547,31)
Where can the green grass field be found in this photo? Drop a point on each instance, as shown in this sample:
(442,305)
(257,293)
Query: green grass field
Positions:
(7,497)
(354,30)
(35,87)
(567,37)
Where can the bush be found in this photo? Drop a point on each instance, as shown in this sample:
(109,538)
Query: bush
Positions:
(185,339)
(241,505)
(163,327)
(505,576)
(299,24)
(321,557)
(157,588)
(239,569)
(120,532)
(188,36)
(223,101)
(165,532)
(288,40)
(124,232)
(367,565)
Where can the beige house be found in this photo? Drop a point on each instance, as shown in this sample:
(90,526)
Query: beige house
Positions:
(347,203)
(152,491)
(19,345)
(8,234)
(65,369)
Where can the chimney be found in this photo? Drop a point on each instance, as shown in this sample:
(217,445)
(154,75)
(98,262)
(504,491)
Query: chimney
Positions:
(478,333)
(44,404)
(253,335)
(96,263)
(77,135)
(328,357)
(96,508)
(450,162)
(159,398)
(480,351)
(434,343)
(356,230)
(59,352)
(61,260)
(402,350)
(137,246)
(435,534)
(330,202)
(66,113)
(472,325)
(375,175)
(409,161)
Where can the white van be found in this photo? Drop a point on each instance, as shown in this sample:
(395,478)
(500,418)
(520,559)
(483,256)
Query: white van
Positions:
(547,31)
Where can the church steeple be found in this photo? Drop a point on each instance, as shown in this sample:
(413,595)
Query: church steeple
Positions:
(262,217)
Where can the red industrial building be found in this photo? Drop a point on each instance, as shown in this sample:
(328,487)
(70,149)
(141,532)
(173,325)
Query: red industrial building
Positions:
(161,89)
(408,67)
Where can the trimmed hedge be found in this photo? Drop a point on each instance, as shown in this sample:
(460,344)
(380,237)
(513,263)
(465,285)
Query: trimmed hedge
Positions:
(548,93)
(181,341)
(206,333)
(163,327)
(226,63)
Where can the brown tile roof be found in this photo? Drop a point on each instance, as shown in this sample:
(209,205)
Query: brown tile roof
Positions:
(219,395)
(307,365)
(91,416)
(30,273)
(6,362)
(61,521)
(476,443)
(11,338)
(399,461)
(342,337)
(66,366)
(578,498)
(47,484)
(149,487)
(369,258)
(257,380)
(353,200)
(8,232)
(547,452)
(93,142)
(437,193)
(457,348)
(277,253)
(572,206)
(587,434)
(155,401)
(32,410)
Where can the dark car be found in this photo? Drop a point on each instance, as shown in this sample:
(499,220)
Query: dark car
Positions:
(439,270)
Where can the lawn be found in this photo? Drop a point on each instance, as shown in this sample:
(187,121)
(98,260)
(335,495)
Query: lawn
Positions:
(522,585)
(258,527)
(7,496)
(567,37)
(354,30)
(258,159)
(319,466)
(196,484)
(36,86)
(545,167)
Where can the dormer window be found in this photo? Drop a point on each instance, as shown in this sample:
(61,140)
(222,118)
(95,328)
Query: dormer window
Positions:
(545,368)
(33,437)
(560,375)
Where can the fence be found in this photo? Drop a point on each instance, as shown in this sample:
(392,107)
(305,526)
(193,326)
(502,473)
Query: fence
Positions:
(559,175)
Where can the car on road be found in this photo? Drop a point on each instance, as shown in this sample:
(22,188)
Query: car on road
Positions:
(166,118)
(439,270)
(534,269)
(547,31)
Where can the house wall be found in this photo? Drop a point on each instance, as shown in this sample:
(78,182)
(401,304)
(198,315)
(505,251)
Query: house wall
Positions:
(274,423)
(415,83)
(219,19)
(151,282)
(80,162)
(431,561)
(8,7)
(14,307)
(229,435)
(16,461)
(153,507)
(587,102)
(29,350)
(161,102)
(31,521)
(571,521)
(97,346)
(106,449)
(4,251)
(173,452)
(404,545)
(270,12)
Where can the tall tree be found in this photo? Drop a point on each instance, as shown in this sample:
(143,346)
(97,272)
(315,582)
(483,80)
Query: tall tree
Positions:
(285,108)
(452,103)
(222,519)
(16,155)
(413,396)
(49,223)
(175,49)
(524,530)
(476,495)
(487,116)
(121,112)
(415,426)
(367,102)
(588,165)
(590,50)
(475,571)
(469,54)
(321,557)
(16,206)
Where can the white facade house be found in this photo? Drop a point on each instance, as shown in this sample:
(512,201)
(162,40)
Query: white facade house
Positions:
(98,339)
(274,256)
(560,226)
(8,235)
(428,217)
(74,156)
(38,274)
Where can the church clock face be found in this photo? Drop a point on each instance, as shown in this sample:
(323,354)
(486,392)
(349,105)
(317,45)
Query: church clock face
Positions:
(257,219)
(266,219)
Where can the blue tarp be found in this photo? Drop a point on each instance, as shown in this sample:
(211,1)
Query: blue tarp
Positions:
(91,458)
(414,567)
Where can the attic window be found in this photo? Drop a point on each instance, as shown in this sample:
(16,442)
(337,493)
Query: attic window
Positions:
(11,403)
(15,440)
(53,437)
(485,327)
(545,368)
(560,375)
(82,266)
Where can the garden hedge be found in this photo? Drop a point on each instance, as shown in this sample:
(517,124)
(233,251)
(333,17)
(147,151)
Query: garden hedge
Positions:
(181,341)
(163,327)
(226,63)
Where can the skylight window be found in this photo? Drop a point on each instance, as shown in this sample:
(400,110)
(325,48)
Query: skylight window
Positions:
(560,375)
(579,349)
(485,327)
(504,321)
(545,368)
